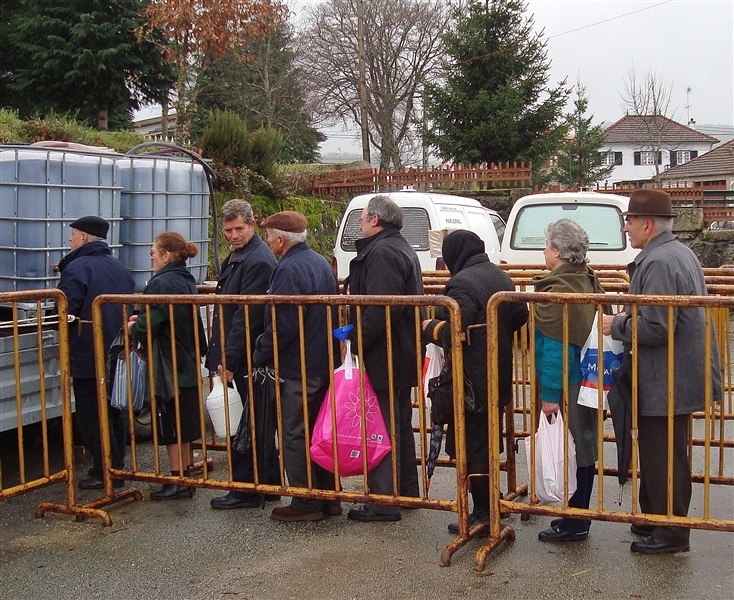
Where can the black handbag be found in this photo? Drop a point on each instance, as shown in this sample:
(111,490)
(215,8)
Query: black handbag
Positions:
(441,393)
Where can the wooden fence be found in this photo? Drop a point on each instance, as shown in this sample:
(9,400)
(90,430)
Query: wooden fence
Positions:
(459,178)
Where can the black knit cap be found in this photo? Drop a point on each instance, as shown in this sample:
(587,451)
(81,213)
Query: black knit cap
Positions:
(92,225)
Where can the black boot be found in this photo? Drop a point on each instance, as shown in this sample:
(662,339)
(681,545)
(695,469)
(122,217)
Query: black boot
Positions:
(172,491)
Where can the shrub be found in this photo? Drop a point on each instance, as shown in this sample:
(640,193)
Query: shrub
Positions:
(266,145)
(225,139)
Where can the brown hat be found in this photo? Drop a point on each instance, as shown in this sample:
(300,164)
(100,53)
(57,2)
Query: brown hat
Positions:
(650,203)
(92,225)
(287,220)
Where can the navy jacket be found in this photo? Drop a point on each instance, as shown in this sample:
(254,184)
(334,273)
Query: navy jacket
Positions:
(386,264)
(301,271)
(88,272)
(244,272)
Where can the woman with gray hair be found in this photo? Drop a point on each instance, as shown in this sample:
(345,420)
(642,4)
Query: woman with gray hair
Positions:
(565,256)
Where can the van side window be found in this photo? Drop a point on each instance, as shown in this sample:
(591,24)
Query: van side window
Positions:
(603,224)
(415,229)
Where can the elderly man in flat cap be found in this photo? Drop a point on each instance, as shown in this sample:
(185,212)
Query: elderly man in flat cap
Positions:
(88,271)
(664,266)
(300,271)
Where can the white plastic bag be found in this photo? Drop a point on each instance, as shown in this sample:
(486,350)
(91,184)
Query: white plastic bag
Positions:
(432,365)
(549,464)
(613,352)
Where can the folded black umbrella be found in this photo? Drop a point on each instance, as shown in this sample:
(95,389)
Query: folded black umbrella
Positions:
(434,448)
(620,405)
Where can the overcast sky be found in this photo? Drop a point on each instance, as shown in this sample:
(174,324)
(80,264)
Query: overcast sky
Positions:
(688,43)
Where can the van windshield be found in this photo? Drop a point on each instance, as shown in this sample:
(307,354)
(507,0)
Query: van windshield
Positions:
(602,223)
(415,229)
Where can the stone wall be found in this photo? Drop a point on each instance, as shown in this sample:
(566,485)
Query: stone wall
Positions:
(713,247)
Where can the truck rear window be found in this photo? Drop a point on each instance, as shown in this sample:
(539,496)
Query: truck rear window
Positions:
(603,224)
(415,229)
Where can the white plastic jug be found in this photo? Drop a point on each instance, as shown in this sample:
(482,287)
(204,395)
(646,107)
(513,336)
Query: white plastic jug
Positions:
(215,407)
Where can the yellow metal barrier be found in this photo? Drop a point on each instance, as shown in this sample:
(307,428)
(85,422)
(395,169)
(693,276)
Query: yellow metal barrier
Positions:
(140,471)
(708,451)
(41,392)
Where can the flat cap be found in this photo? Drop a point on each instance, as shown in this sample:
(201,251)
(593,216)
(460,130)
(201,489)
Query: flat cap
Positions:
(287,220)
(650,203)
(92,225)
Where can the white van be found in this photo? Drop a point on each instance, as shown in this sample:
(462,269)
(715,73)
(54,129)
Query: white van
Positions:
(426,219)
(599,214)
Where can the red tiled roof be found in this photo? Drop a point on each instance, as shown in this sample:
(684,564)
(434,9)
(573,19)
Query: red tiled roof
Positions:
(720,161)
(635,129)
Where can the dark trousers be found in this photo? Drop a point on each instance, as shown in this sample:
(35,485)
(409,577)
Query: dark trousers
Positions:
(243,465)
(294,438)
(653,436)
(580,499)
(87,420)
(381,478)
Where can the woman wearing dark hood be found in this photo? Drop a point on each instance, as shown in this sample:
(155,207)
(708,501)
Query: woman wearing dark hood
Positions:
(473,281)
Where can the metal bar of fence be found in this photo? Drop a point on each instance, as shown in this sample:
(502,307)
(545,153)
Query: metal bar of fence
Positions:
(49,474)
(417,304)
(718,522)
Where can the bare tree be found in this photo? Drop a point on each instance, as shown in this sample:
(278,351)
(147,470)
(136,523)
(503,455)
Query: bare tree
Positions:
(402,44)
(649,99)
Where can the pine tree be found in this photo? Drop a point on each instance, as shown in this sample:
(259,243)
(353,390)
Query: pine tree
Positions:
(494,104)
(82,57)
(579,160)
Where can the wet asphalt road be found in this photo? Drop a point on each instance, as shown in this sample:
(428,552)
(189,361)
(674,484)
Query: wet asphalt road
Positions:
(183,549)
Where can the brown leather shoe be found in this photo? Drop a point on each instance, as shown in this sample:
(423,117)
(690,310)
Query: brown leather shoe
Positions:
(291,514)
(332,510)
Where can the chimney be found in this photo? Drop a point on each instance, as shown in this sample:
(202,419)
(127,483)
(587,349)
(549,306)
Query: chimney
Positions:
(692,124)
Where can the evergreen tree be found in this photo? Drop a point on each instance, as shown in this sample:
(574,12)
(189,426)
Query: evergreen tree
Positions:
(579,160)
(265,91)
(82,57)
(494,104)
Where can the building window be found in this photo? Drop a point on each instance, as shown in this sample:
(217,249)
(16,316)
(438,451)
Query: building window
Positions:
(679,157)
(648,157)
(611,158)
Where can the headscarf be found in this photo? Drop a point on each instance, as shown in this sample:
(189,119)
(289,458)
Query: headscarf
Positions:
(458,247)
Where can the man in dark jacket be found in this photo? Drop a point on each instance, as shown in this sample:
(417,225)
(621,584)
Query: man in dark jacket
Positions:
(386,264)
(301,271)
(664,266)
(246,271)
(88,271)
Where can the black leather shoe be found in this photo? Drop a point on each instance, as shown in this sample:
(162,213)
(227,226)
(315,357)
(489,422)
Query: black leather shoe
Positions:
(651,545)
(474,518)
(367,515)
(90,483)
(553,534)
(272,498)
(229,501)
(642,530)
(172,492)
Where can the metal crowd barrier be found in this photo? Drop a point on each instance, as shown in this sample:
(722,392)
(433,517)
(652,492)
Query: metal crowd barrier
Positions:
(711,434)
(356,490)
(41,392)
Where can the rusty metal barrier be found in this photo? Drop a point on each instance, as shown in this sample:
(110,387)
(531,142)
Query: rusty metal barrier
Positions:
(707,452)
(42,392)
(356,490)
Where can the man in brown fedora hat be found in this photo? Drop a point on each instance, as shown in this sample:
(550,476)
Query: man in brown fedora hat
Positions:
(664,266)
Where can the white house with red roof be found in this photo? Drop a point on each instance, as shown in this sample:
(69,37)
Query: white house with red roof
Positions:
(712,169)
(642,148)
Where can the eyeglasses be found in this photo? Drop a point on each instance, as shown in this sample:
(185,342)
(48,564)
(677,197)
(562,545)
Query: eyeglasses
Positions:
(366,219)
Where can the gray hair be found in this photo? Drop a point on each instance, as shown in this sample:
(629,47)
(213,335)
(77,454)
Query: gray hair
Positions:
(95,238)
(662,224)
(388,213)
(237,208)
(570,239)
(291,237)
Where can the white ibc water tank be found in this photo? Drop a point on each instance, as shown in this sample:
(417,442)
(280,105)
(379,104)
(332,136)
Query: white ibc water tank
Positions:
(162,193)
(43,190)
